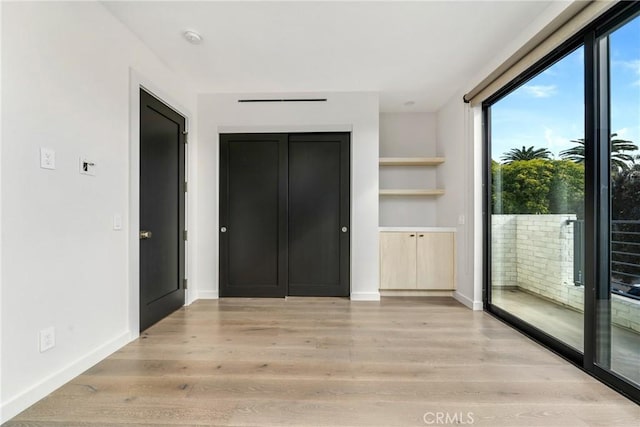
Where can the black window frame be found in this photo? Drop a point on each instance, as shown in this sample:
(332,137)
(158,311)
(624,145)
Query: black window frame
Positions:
(597,175)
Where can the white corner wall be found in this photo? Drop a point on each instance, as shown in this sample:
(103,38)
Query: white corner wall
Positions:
(408,135)
(459,130)
(458,206)
(355,112)
(65,86)
(1,287)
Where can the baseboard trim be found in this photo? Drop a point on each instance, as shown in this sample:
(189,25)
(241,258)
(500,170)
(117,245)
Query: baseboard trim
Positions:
(414,293)
(190,297)
(208,295)
(365,296)
(464,300)
(31,395)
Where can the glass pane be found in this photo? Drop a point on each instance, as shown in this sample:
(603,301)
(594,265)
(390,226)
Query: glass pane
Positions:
(537,197)
(619,334)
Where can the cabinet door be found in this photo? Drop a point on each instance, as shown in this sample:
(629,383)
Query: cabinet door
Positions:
(397,260)
(435,261)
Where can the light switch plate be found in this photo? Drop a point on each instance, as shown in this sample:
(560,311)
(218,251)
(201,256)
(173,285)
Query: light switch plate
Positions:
(47,158)
(87,167)
(117,222)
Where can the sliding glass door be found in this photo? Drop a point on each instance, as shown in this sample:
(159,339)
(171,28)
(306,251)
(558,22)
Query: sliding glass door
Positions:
(618,299)
(562,206)
(537,201)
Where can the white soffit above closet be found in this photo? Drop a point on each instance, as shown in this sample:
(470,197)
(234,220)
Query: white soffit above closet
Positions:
(408,51)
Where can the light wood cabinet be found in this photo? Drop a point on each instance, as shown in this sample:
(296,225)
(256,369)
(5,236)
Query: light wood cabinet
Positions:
(398,261)
(422,260)
(435,261)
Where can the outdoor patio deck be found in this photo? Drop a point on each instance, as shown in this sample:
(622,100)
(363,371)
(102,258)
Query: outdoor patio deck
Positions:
(567,325)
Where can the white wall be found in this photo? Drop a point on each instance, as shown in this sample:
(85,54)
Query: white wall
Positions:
(456,207)
(408,135)
(358,112)
(65,86)
(1,287)
(459,130)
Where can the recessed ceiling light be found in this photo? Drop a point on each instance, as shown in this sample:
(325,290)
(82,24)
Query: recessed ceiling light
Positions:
(192,37)
(409,103)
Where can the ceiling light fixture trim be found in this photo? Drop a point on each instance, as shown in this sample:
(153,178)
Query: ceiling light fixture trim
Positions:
(192,37)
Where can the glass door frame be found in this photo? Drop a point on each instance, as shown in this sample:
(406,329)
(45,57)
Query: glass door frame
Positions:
(597,202)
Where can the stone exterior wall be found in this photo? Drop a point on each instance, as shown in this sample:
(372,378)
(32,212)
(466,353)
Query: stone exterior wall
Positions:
(545,254)
(503,245)
(535,254)
(625,312)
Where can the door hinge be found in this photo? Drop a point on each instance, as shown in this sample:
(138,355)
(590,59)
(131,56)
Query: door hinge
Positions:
(184,283)
(184,234)
(186,137)
(185,187)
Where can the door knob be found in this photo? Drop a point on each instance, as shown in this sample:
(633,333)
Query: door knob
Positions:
(145,234)
(223,229)
(345,229)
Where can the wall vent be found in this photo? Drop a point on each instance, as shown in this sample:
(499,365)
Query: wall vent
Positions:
(285,100)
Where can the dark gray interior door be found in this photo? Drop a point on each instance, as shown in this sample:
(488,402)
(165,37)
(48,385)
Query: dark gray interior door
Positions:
(319,214)
(253,207)
(162,172)
(284,214)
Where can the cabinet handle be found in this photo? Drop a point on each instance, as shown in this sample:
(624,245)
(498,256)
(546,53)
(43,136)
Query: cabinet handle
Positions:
(412,235)
(421,235)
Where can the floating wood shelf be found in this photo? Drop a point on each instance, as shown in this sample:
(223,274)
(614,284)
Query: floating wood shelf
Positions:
(411,161)
(394,192)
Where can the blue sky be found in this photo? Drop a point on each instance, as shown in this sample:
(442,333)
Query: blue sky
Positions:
(548,111)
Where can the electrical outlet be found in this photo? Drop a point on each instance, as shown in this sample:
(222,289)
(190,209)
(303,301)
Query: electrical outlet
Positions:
(47,339)
(47,158)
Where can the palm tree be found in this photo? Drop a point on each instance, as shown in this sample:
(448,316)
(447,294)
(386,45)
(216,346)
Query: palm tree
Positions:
(530,153)
(619,160)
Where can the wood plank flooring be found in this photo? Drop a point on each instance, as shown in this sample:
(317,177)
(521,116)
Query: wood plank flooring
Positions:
(331,362)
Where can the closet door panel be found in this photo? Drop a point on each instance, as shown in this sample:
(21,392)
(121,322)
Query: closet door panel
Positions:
(318,211)
(252,207)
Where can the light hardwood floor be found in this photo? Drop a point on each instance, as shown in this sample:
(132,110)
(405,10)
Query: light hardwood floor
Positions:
(331,362)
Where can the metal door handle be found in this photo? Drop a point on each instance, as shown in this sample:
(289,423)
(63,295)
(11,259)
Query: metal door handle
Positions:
(345,229)
(145,234)
(223,229)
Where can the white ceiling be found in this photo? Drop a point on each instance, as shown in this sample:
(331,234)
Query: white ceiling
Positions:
(408,51)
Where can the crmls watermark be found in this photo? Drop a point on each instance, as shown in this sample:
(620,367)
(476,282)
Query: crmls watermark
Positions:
(444,418)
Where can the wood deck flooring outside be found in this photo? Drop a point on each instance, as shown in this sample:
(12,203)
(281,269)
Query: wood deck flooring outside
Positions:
(331,362)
